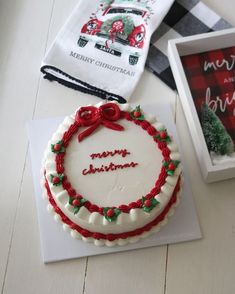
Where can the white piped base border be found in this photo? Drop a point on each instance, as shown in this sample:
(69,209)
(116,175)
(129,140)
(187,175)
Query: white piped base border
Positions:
(118,242)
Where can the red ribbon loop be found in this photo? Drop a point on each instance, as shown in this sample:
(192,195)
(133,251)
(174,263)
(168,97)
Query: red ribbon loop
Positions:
(93,117)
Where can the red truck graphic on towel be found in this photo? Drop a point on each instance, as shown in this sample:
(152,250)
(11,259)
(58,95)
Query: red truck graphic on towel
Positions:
(114,27)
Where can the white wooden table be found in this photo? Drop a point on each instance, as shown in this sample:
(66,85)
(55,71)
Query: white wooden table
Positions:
(27,28)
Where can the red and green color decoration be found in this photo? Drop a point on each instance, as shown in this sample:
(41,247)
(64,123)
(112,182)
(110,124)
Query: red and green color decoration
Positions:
(111,214)
(149,204)
(171,166)
(137,114)
(77,203)
(57,180)
(58,147)
(125,25)
(163,136)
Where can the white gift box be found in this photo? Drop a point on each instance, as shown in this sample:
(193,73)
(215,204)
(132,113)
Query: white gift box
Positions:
(193,45)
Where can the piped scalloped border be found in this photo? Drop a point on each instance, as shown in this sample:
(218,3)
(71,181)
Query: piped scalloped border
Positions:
(120,241)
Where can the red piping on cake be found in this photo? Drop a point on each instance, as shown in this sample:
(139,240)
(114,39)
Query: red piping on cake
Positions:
(92,117)
(111,237)
(124,208)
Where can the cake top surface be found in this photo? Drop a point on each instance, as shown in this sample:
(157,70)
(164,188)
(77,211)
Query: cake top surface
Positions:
(111,168)
(111,156)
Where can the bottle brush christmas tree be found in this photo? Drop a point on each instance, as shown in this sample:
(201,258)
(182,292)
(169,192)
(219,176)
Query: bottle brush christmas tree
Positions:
(217,138)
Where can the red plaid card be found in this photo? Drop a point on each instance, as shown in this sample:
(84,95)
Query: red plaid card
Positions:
(211,78)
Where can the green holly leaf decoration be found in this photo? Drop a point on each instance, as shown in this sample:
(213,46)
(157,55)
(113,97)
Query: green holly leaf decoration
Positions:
(171,166)
(137,114)
(163,136)
(149,204)
(176,162)
(76,210)
(58,147)
(170,172)
(57,180)
(165,163)
(111,214)
(71,200)
(77,203)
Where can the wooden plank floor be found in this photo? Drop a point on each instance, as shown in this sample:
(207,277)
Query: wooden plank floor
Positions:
(27,28)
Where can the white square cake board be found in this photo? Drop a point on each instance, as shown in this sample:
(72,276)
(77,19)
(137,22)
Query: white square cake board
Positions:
(58,245)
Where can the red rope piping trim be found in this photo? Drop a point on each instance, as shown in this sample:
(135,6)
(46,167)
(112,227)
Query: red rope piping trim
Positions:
(111,237)
(124,208)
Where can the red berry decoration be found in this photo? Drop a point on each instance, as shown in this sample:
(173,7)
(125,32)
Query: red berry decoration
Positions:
(147,203)
(137,114)
(163,135)
(76,202)
(110,213)
(57,147)
(171,166)
(55,180)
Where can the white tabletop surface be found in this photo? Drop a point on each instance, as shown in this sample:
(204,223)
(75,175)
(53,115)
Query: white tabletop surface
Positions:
(207,266)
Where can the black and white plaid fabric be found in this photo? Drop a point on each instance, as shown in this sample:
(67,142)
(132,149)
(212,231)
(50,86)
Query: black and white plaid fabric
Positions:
(185,18)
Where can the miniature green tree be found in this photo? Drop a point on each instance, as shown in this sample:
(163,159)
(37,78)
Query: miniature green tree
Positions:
(216,136)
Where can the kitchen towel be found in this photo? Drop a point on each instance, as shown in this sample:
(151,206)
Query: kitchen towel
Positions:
(103,47)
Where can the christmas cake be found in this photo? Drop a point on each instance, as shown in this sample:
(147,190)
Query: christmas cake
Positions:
(111,174)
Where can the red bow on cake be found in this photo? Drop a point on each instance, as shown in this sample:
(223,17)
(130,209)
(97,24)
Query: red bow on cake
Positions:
(94,117)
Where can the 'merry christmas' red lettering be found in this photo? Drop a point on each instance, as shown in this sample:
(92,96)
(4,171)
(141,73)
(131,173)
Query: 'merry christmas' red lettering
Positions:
(107,168)
(122,152)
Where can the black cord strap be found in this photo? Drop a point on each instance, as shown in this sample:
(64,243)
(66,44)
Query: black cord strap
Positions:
(77,84)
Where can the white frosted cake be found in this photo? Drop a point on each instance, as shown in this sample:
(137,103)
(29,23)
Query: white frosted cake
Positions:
(111,174)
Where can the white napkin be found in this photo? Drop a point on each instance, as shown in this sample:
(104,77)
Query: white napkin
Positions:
(102,48)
